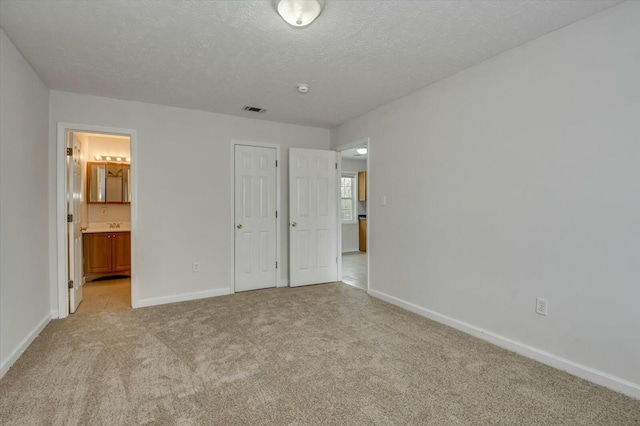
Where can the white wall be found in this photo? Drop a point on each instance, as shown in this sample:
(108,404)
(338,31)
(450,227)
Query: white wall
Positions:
(350,232)
(183,189)
(523,181)
(112,213)
(24,233)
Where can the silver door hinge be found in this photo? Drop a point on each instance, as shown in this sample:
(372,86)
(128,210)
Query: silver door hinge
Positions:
(276,163)
(69,151)
(69,218)
(276,214)
(336,260)
(276,265)
(336,166)
(70,283)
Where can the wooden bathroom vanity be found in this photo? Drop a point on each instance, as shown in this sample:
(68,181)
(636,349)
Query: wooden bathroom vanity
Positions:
(106,254)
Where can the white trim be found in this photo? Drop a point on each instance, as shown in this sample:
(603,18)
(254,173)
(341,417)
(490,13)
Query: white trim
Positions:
(184,297)
(24,344)
(59,287)
(283,283)
(339,213)
(350,250)
(232,221)
(355,144)
(591,374)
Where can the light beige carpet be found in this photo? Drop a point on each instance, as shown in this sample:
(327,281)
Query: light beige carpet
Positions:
(326,354)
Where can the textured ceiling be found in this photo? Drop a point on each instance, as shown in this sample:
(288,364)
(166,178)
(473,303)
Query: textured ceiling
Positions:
(221,55)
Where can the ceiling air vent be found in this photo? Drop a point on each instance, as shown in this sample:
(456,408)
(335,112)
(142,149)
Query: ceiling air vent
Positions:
(253,109)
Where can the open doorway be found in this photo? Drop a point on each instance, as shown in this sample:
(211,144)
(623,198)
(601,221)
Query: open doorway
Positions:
(353,214)
(106,221)
(96,194)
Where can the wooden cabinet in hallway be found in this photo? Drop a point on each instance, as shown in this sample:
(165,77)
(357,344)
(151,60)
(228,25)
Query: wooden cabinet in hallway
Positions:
(362,186)
(362,234)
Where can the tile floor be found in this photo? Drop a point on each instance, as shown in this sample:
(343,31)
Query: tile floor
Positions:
(106,295)
(354,269)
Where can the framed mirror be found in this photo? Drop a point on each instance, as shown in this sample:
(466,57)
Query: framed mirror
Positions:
(96,183)
(114,183)
(126,183)
(108,183)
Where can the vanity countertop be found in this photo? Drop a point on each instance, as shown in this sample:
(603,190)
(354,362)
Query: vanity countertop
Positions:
(97,227)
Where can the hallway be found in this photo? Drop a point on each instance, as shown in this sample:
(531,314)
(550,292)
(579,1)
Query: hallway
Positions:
(354,269)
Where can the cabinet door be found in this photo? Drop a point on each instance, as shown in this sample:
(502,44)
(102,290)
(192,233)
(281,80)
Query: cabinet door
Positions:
(97,253)
(114,183)
(126,183)
(362,186)
(121,251)
(362,240)
(96,191)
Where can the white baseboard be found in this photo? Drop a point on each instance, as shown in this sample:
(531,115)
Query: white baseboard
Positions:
(350,250)
(142,303)
(24,344)
(283,283)
(591,374)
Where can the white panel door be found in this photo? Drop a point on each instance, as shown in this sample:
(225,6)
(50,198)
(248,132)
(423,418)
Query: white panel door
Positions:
(74,238)
(255,217)
(313,219)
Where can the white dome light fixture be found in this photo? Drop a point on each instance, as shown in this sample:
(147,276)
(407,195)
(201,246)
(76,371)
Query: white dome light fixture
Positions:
(361,151)
(299,13)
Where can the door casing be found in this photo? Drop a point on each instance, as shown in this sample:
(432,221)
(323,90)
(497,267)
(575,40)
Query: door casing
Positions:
(60,282)
(232,147)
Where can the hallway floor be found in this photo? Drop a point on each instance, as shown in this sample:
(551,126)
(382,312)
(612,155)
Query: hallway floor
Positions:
(354,269)
(106,295)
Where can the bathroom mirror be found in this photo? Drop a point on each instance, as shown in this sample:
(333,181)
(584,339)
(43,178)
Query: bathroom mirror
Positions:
(126,183)
(114,183)
(108,183)
(96,183)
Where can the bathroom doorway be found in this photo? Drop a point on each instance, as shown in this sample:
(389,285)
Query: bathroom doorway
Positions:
(96,214)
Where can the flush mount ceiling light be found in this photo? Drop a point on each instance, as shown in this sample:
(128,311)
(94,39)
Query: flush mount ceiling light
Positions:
(298,13)
(361,151)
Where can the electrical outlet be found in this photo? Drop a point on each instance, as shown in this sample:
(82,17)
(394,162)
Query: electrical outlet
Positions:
(541,306)
(103,211)
(383,200)
(196,266)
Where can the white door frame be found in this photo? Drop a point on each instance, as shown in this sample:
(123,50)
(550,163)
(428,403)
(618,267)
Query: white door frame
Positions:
(351,145)
(61,212)
(232,219)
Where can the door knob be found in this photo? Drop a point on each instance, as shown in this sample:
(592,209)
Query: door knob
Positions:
(294,224)
(239,226)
